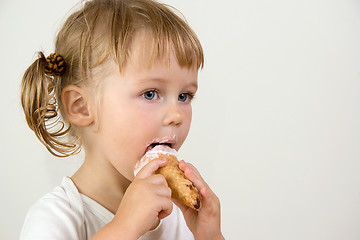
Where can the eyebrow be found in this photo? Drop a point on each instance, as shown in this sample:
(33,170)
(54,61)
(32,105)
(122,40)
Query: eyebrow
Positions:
(156,79)
(159,79)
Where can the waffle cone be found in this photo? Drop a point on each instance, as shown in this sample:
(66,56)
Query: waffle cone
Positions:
(181,187)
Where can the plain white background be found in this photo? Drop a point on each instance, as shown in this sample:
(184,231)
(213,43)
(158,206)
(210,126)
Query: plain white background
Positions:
(275,131)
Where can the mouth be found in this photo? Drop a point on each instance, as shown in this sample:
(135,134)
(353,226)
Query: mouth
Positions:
(168,141)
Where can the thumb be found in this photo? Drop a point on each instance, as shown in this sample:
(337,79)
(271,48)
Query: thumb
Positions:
(180,205)
(151,167)
(184,209)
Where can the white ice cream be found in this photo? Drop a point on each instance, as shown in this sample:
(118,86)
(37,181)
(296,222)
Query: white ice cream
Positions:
(153,154)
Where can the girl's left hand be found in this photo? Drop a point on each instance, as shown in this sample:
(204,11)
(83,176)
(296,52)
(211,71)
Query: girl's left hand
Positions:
(204,223)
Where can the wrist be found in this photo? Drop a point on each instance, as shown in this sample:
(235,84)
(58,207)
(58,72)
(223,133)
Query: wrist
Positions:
(115,231)
(213,237)
(124,230)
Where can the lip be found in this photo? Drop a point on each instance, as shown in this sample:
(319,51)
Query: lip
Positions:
(171,140)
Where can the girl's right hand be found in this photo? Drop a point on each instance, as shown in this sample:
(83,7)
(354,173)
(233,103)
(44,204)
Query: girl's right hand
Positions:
(147,199)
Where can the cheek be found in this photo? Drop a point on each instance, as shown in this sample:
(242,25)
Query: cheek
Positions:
(142,116)
(187,111)
(138,124)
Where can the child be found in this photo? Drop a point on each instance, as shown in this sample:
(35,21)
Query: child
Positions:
(122,78)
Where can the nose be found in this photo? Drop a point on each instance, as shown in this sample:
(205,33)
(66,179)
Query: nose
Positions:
(173,115)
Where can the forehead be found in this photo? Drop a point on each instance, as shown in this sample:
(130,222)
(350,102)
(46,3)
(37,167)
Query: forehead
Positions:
(164,70)
(145,53)
(145,57)
(144,67)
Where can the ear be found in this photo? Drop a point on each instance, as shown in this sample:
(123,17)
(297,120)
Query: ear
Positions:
(77,106)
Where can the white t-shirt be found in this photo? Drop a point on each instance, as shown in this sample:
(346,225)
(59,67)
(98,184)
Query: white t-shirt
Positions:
(66,214)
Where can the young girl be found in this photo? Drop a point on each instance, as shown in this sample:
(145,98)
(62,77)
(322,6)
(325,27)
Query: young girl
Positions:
(122,78)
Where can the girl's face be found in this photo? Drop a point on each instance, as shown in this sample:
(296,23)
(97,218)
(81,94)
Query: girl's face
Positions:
(142,106)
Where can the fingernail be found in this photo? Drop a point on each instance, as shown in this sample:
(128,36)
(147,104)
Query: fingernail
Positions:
(183,162)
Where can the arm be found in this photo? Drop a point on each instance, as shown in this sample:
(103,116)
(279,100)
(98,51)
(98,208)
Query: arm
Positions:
(114,231)
(205,223)
(147,199)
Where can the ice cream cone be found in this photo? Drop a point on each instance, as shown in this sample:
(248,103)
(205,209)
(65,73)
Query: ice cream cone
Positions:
(182,188)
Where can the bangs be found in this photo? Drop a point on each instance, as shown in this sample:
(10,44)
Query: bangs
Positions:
(106,29)
(169,32)
(166,30)
(182,41)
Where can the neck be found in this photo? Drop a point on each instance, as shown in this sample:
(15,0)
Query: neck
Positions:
(102,183)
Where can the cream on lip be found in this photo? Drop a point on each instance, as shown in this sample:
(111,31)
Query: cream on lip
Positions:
(167,139)
(172,139)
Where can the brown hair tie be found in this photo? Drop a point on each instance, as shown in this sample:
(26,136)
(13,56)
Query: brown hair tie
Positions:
(55,65)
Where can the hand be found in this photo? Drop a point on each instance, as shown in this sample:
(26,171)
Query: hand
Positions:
(204,223)
(147,199)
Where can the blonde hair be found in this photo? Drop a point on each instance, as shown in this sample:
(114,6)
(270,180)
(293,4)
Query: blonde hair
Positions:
(101,30)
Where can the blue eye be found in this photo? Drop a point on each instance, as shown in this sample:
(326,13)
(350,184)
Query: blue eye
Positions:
(150,95)
(185,97)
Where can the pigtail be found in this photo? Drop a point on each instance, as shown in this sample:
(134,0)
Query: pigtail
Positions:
(40,105)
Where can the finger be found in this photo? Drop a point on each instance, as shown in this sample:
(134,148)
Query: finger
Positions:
(192,174)
(192,167)
(151,167)
(185,165)
(208,198)
(167,207)
(157,179)
(160,186)
(180,205)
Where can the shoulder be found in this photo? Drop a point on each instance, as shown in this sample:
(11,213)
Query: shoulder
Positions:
(57,215)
